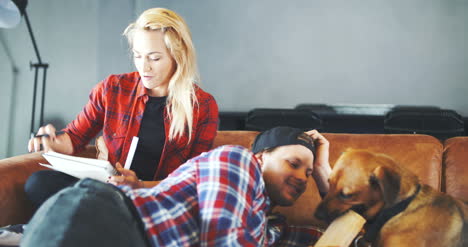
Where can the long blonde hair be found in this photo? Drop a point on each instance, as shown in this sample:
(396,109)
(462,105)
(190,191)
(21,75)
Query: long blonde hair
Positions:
(181,98)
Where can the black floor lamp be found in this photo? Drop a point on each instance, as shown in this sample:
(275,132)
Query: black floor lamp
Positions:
(10,15)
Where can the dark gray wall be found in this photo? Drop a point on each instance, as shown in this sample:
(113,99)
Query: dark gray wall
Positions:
(252,53)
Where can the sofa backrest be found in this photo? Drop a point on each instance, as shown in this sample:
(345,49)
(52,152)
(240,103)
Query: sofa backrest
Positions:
(235,137)
(422,154)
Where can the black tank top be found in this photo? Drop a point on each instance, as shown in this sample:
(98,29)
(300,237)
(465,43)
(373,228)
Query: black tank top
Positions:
(151,139)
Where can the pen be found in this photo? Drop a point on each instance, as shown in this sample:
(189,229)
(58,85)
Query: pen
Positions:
(47,135)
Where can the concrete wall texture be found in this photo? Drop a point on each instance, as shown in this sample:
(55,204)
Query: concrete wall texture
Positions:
(251,53)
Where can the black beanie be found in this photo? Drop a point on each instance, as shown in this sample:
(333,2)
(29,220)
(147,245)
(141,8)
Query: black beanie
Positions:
(282,136)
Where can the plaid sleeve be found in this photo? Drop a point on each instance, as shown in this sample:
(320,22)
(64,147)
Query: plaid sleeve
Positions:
(231,199)
(207,126)
(89,121)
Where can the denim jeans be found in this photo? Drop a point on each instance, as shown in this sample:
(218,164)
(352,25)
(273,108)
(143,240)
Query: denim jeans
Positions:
(90,214)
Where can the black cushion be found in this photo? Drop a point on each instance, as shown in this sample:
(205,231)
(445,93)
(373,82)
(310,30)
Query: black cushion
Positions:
(440,123)
(266,118)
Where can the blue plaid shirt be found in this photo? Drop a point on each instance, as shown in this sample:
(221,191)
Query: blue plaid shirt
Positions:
(215,199)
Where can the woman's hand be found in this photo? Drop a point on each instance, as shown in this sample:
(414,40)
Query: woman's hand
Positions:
(322,168)
(50,141)
(127,177)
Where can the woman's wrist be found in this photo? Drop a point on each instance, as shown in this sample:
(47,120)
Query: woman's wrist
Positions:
(149,184)
(141,183)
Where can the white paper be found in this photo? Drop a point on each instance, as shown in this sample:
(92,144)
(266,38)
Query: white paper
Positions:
(80,167)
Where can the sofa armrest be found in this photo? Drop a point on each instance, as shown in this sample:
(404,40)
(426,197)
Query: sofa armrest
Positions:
(456,167)
(14,172)
(14,206)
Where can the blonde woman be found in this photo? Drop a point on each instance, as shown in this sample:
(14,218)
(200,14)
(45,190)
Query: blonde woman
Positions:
(160,103)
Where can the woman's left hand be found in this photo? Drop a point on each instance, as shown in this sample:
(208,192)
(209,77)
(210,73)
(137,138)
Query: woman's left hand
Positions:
(127,177)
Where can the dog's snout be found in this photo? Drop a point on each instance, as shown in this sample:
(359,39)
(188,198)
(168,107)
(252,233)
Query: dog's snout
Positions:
(325,213)
(321,215)
(321,212)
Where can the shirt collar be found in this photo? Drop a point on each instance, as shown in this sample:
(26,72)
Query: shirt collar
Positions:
(141,89)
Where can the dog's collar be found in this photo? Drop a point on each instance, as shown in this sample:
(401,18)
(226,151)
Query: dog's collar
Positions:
(374,228)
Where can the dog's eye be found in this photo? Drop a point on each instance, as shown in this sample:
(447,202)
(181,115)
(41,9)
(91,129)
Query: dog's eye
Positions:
(345,196)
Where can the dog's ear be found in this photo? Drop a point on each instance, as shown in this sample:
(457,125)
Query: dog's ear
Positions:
(388,182)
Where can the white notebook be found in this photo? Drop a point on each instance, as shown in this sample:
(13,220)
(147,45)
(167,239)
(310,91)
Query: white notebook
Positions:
(80,167)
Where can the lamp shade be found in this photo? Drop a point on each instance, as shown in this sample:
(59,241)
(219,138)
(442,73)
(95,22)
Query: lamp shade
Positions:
(10,15)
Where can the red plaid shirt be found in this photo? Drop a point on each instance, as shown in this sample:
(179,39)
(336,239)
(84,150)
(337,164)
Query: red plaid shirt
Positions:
(116,106)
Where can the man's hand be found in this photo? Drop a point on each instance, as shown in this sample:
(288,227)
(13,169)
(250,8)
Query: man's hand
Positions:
(127,177)
(322,168)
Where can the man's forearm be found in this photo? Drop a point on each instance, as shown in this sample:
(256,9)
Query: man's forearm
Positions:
(321,174)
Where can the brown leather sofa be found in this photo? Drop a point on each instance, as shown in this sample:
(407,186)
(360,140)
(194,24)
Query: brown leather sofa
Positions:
(440,165)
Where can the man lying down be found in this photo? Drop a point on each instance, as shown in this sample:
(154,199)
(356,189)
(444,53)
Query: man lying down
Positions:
(223,197)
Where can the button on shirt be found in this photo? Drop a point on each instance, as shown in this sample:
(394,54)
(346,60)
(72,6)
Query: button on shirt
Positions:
(215,199)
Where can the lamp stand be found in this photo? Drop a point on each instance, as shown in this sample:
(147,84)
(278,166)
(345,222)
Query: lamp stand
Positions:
(37,66)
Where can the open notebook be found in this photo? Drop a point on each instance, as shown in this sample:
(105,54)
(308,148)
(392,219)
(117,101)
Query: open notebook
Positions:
(80,167)
(87,167)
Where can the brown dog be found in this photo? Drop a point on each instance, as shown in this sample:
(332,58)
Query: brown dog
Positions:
(399,210)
